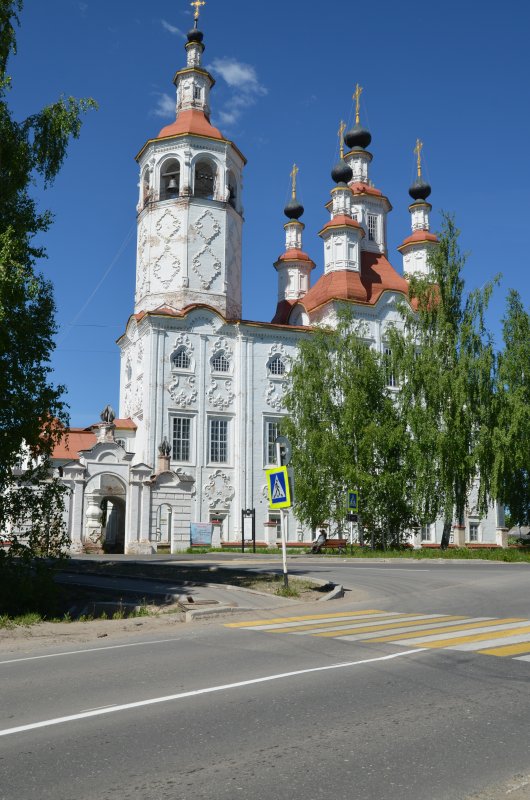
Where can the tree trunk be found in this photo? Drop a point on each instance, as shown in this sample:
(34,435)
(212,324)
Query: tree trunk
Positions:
(448,524)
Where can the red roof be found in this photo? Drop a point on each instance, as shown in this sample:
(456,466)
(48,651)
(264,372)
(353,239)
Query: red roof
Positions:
(77,439)
(418,236)
(377,275)
(341,220)
(283,312)
(364,188)
(295,255)
(192,121)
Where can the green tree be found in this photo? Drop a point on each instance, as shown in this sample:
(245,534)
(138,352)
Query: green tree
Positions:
(511,450)
(345,433)
(446,361)
(32,412)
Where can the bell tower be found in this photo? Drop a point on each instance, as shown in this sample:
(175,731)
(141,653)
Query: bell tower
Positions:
(190,214)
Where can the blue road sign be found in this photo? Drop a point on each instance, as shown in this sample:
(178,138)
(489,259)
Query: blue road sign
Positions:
(353,502)
(278,486)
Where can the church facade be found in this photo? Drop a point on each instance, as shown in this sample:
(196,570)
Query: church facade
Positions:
(201,388)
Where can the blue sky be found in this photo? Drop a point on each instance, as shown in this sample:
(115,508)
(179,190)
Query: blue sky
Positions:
(454,74)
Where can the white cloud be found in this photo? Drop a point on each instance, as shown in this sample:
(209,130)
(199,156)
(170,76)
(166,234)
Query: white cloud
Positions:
(83,7)
(165,106)
(238,75)
(243,81)
(172,29)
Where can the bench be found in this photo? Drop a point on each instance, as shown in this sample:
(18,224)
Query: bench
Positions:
(335,545)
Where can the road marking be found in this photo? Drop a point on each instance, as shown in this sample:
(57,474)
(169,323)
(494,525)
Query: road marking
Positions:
(409,631)
(403,621)
(339,614)
(87,650)
(508,637)
(310,623)
(97,708)
(476,634)
(197,692)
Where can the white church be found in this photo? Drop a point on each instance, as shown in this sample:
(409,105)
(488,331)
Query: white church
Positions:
(201,388)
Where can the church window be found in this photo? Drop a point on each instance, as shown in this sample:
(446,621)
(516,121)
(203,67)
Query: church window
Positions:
(425,533)
(204,180)
(220,363)
(272,431)
(170,179)
(276,366)
(128,372)
(277,520)
(391,377)
(145,187)
(181,359)
(197,93)
(218,441)
(232,190)
(473,532)
(181,438)
(372,227)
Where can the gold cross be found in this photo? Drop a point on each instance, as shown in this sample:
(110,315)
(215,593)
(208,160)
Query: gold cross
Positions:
(342,128)
(294,173)
(197,4)
(357,98)
(417,150)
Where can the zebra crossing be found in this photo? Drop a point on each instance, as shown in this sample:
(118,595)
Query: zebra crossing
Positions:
(502,637)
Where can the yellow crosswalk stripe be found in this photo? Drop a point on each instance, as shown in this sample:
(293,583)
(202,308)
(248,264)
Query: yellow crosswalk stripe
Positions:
(476,637)
(508,650)
(388,626)
(449,629)
(279,620)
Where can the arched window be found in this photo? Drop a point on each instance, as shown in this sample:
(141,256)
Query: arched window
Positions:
(146,192)
(204,180)
(220,363)
(232,190)
(170,179)
(181,359)
(276,366)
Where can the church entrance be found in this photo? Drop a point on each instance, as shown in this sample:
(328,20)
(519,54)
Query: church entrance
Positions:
(105,514)
(113,524)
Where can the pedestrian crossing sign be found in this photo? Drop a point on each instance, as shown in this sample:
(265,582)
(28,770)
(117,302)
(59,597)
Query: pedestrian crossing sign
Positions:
(353,502)
(278,486)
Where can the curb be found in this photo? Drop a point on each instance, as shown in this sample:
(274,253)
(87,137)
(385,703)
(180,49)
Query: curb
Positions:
(204,613)
(336,593)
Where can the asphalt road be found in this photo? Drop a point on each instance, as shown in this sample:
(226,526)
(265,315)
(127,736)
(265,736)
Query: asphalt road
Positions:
(211,711)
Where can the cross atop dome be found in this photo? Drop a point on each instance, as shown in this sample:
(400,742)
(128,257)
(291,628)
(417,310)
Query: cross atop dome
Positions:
(357,97)
(196,4)
(294,172)
(417,151)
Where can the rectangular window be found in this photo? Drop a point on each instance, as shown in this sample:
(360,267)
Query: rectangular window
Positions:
(277,520)
(372,227)
(391,378)
(425,533)
(473,531)
(197,92)
(218,441)
(181,438)
(272,431)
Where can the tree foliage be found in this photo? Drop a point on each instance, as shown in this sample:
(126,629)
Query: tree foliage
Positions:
(32,411)
(511,436)
(446,362)
(345,433)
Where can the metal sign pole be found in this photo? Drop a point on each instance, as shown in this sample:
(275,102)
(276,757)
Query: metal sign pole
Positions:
(283,521)
(253,530)
(242,530)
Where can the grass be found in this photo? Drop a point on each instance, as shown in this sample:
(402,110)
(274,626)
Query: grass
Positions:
(22,620)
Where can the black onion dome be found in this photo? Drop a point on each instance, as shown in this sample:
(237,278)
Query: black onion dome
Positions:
(420,190)
(195,35)
(341,172)
(357,137)
(294,209)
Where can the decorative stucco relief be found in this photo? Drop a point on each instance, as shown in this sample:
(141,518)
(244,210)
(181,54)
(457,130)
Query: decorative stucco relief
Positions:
(166,264)
(206,264)
(220,394)
(219,490)
(183,392)
(221,345)
(274,395)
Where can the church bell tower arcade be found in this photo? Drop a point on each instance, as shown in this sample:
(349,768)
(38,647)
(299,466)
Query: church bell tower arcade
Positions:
(190,213)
